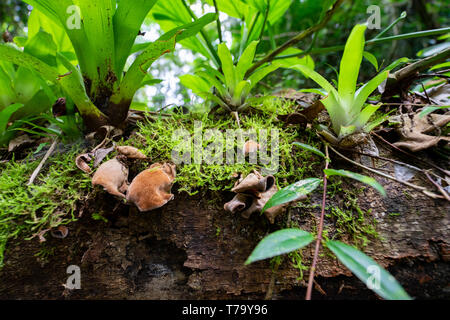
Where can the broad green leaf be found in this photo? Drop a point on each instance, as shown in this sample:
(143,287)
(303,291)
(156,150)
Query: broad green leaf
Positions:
(292,192)
(213,81)
(138,70)
(368,271)
(280,242)
(242,91)
(130,15)
(365,114)
(359,177)
(310,148)
(6,113)
(7,93)
(197,84)
(246,60)
(42,47)
(350,64)
(290,63)
(190,29)
(259,74)
(228,68)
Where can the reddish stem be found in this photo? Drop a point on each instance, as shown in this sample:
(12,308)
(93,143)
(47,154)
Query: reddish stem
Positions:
(319,234)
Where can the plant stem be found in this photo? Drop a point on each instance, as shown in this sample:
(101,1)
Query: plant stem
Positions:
(219,25)
(293,41)
(41,164)
(266,16)
(402,16)
(319,233)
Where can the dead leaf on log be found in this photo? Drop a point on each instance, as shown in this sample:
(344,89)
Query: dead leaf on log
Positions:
(151,189)
(131,152)
(18,142)
(113,177)
(413,130)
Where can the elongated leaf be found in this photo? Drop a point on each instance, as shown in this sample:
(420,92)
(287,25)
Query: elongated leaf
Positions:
(190,29)
(317,78)
(138,70)
(213,81)
(197,84)
(310,148)
(6,113)
(365,115)
(246,60)
(356,176)
(366,90)
(127,22)
(259,74)
(350,64)
(368,271)
(372,59)
(228,69)
(280,242)
(241,92)
(292,192)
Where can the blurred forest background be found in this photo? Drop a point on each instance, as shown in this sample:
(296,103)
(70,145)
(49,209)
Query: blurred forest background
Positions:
(421,15)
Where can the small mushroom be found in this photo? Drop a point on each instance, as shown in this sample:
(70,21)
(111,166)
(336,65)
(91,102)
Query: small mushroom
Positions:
(113,177)
(251,147)
(130,152)
(151,189)
(253,192)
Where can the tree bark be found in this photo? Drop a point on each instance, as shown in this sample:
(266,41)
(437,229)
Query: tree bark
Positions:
(192,249)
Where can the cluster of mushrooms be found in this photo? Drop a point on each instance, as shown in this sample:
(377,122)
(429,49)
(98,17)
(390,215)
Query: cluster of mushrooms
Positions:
(149,190)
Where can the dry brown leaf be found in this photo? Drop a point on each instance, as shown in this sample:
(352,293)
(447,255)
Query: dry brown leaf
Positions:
(19,142)
(101,154)
(413,130)
(151,189)
(112,176)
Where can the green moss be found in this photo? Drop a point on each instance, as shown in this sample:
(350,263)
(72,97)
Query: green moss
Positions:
(155,139)
(351,220)
(26,211)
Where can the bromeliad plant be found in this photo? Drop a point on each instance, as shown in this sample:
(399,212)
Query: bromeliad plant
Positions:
(232,86)
(347,106)
(102,34)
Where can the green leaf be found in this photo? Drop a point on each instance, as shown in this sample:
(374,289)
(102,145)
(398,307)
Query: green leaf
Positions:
(6,113)
(190,29)
(356,176)
(130,15)
(259,74)
(350,64)
(292,192)
(372,59)
(246,60)
(366,90)
(228,68)
(42,47)
(368,271)
(317,78)
(427,110)
(280,242)
(310,148)
(197,84)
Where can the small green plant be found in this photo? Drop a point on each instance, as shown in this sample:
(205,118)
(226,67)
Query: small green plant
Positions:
(288,240)
(347,106)
(232,86)
(90,64)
